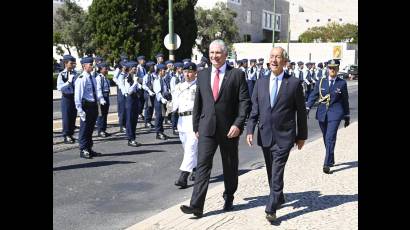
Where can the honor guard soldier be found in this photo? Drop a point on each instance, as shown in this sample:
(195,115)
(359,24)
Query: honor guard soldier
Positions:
(320,72)
(251,76)
(184,97)
(168,75)
(308,80)
(103,96)
(260,71)
(162,95)
(65,84)
(333,107)
(130,86)
(326,69)
(85,97)
(141,72)
(160,59)
(149,95)
(176,78)
(301,73)
(289,69)
(120,95)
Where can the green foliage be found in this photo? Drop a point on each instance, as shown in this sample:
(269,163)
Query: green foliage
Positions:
(216,23)
(138,27)
(68,27)
(332,32)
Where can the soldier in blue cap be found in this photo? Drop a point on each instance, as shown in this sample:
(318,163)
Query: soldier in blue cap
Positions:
(184,97)
(65,83)
(129,84)
(333,107)
(141,72)
(162,97)
(103,96)
(85,97)
(251,76)
(186,60)
(149,95)
(176,78)
(260,71)
(120,96)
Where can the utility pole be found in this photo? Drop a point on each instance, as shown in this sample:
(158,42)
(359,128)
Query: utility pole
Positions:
(171,30)
(273,26)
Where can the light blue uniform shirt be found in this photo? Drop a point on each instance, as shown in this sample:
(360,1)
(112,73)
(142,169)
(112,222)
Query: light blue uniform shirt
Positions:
(125,86)
(252,76)
(84,89)
(62,82)
(103,86)
(145,80)
(157,87)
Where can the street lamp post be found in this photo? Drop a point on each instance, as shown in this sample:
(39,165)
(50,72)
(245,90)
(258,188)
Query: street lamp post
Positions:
(273,26)
(171,30)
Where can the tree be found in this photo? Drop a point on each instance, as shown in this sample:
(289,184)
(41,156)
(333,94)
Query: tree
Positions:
(332,32)
(216,23)
(67,27)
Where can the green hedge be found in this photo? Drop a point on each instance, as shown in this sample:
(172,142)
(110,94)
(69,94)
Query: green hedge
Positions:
(55,75)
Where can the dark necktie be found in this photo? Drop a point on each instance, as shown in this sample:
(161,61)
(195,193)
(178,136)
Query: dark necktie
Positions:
(331,84)
(92,85)
(300,75)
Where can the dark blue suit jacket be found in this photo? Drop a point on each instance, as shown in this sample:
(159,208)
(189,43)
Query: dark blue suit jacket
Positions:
(339,100)
(286,121)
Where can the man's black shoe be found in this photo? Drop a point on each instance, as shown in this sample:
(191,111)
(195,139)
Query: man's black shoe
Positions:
(69,140)
(161,136)
(182,180)
(228,206)
(271,217)
(103,134)
(95,154)
(189,210)
(192,177)
(326,169)
(280,202)
(85,154)
(133,143)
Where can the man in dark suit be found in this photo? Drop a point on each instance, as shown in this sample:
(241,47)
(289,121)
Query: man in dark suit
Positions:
(221,106)
(279,106)
(333,107)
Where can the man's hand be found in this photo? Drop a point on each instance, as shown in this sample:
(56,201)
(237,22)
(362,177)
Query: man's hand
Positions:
(233,132)
(249,139)
(300,143)
(307,112)
(197,135)
(82,115)
(347,121)
(151,93)
(102,101)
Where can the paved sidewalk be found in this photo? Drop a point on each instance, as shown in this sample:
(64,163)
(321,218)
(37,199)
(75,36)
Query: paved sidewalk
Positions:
(314,200)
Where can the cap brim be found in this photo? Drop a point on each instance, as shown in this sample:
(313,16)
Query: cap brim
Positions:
(332,65)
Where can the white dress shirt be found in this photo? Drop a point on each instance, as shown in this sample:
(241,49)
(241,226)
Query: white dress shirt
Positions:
(221,75)
(272,79)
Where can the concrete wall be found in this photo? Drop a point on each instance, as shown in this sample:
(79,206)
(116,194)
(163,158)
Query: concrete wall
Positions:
(340,11)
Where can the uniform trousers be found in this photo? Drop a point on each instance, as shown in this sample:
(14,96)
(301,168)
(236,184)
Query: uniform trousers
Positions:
(121,108)
(329,132)
(190,145)
(69,114)
(87,126)
(102,119)
(131,108)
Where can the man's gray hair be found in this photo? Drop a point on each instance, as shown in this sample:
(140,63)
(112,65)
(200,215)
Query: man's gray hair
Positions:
(220,43)
(284,53)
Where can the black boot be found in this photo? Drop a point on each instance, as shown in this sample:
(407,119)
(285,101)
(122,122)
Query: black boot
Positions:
(183,180)
(192,177)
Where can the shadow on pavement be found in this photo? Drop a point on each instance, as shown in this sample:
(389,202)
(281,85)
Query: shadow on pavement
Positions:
(131,152)
(352,164)
(310,201)
(219,178)
(163,143)
(91,164)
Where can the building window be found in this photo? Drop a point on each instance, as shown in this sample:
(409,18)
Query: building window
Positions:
(246,38)
(329,20)
(307,20)
(317,20)
(267,20)
(248,17)
(235,1)
(340,19)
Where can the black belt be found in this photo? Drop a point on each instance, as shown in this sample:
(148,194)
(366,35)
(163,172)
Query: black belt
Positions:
(85,102)
(187,113)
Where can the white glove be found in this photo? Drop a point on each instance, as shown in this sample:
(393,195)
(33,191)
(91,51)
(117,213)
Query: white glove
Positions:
(164,101)
(125,94)
(82,115)
(151,93)
(102,101)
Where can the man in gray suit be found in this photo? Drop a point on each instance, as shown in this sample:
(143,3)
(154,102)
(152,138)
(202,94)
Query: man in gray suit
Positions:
(278,105)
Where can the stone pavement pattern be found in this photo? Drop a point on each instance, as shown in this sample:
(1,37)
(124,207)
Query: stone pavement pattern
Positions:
(314,200)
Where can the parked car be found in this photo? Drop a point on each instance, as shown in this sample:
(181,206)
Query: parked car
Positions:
(350,72)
